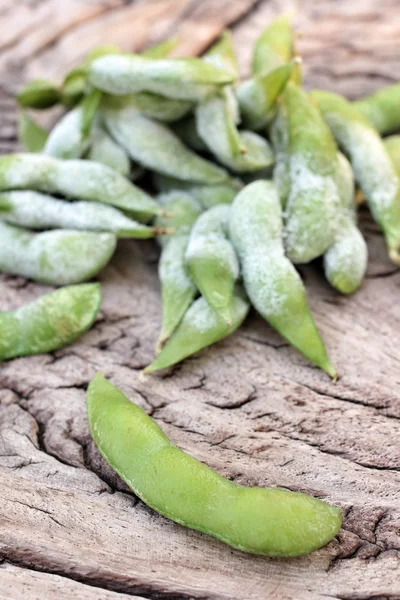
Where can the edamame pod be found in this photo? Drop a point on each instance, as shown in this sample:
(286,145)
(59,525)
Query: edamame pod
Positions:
(382,108)
(313,201)
(207,195)
(186,130)
(177,288)
(154,106)
(154,146)
(222,55)
(345,262)
(40,211)
(31,136)
(267,521)
(279,134)
(38,93)
(66,139)
(273,47)
(104,150)
(372,166)
(271,282)
(257,96)
(180,78)
(58,257)
(200,327)
(49,322)
(212,261)
(81,179)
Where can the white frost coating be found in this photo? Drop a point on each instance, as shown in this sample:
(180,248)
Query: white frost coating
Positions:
(345,182)
(54,257)
(311,211)
(155,146)
(75,178)
(345,263)
(216,127)
(39,211)
(184,210)
(172,269)
(186,79)
(65,139)
(204,320)
(104,150)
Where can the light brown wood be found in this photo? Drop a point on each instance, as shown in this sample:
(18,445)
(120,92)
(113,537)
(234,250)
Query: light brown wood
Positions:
(250,406)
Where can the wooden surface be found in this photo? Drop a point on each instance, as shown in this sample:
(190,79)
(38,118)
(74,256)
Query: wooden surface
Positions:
(250,407)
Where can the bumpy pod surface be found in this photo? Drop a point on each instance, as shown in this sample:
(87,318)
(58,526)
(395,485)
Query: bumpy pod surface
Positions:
(80,179)
(212,261)
(372,166)
(313,201)
(271,282)
(40,211)
(200,327)
(66,139)
(183,79)
(50,322)
(265,521)
(58,257)
(156,147)
(382,108)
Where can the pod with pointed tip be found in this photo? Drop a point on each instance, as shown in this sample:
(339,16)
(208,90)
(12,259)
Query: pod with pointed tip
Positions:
(34,210)
(372,166)
(267,521)
(59,257)
(345,262)
(156,147)
(75,178)
(271,282)
(382,108)
(200,327)
(177,287)
(212,261)
(313,201)
(180,78)
(274,46)
(66,139)
(38,93)
(49,322)
(31,135)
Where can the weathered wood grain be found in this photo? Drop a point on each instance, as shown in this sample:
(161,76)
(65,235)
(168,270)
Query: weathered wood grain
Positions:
(250,406)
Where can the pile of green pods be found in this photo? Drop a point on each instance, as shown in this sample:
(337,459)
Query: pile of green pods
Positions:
(238,181)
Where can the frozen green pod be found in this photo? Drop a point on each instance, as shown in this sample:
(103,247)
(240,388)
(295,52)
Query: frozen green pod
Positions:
(257,96)
(38,93)
(59,257)
(345,262)
(272,283)
(279,134)
(382,108)
(267,521)
(212,261)
(274,46)
(200,327)
(186,130)
(49,322)
(372,166)
(313,201)
(156,147)
(82,179)
(154,106)
(66,139)
(177,288)
(35,210)
(222,55)
(207,195)
(180,78)
(104,150)
(31,136)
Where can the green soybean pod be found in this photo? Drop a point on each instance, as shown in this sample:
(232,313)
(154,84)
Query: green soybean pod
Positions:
(38,93)
(182,210)
(34,210)
(155,106)
(180,78)
(66,139)
(345,262)
(212,261)
(200,327)
(186,130)
(271,282)
(274,46)
(49,322)
(207,195)
(161,49)
(31,136)
(313,201)
(81,179)
(392,146)
(372,166)
(257,96)
(58,257)
(382,108)
(279,134)
(222,55)
(267,521)
(154,146)
(104,150)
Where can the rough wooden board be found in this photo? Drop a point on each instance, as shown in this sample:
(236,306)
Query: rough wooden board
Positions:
(250,407)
